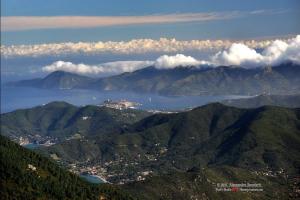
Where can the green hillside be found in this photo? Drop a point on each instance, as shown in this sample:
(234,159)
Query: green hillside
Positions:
(262,139)
(27,175)
(62,120)
(203,183)
(184,155)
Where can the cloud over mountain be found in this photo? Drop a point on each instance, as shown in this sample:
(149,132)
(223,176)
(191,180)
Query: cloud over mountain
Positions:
(237,54)
(105,68)
(165,61)
(275,53)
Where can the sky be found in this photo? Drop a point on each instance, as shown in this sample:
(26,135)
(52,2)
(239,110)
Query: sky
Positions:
(180,19)
(110,37)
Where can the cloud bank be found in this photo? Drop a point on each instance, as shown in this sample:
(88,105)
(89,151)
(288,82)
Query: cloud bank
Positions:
(136,46)
(275,53)
(104,69)
(237,54)
(163,62)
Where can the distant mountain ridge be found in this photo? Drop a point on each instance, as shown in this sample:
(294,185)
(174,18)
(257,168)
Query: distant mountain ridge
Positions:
(56,80)
(282,79)
(290,101)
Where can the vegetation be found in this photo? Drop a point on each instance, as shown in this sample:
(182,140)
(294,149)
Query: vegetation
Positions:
(202,184)
(290,101)
(27,175)
(185,153)
(282,79)
(266,137)
(62,120)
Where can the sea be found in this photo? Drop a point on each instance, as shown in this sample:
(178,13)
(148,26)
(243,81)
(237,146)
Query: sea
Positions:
(31,146)
(13,98)
(92,178)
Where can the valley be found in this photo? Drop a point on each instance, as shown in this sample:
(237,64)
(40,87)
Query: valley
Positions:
(150,100)
(149,147)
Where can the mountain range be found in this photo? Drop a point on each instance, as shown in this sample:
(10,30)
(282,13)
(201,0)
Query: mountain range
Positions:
(289,101)
(209,135)
(233,80)
(265,137)
(61,120)
(192,150)
(55,80)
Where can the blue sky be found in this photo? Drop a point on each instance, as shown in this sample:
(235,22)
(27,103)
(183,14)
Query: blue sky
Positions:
(40,23)
(133,7)
(273,18)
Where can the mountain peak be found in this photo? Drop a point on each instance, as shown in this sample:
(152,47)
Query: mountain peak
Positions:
(61,73)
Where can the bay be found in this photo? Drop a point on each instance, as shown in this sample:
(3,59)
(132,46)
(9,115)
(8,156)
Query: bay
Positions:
(92,178)
(13,98)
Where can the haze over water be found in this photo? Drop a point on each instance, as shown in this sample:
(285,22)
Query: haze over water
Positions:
(18,98)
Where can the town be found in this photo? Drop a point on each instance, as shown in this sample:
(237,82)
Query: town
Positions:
(120,105)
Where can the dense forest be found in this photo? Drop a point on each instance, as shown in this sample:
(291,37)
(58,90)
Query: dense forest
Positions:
(27,175)
(184,155)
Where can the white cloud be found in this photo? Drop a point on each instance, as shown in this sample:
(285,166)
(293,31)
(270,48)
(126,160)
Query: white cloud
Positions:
(117,67)
(135,46)
(275,53)
(19,23)
(237,54)
(70,67)
(165,61)
(104,69)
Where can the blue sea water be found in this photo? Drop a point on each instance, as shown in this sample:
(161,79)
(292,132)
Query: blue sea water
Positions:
(92,179)
(13,98)
(31,146)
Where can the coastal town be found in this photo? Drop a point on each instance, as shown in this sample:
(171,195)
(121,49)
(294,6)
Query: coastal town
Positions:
(121,104)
